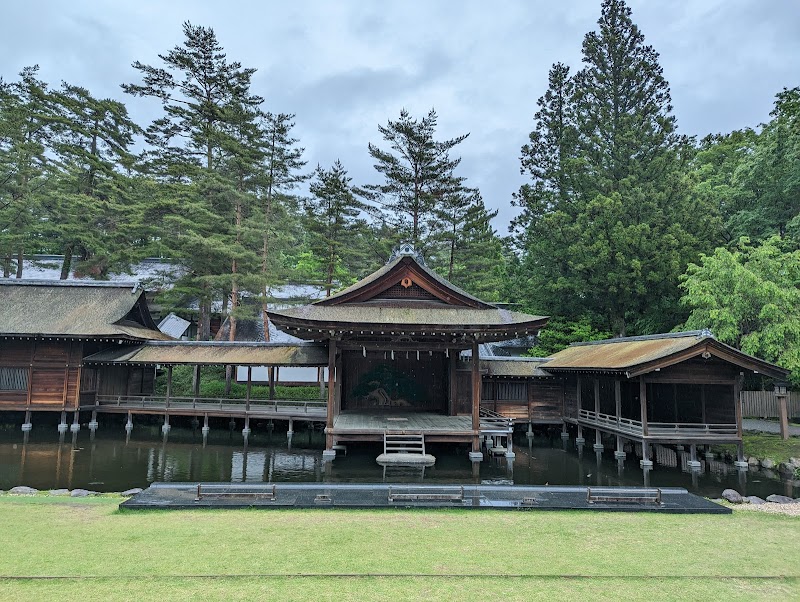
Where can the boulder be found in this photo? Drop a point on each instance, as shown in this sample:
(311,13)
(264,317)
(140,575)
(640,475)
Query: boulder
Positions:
(59,492)
(780,499)
(754,499)
(794,462)
(753,461)
(131,492)
(733,496)
(23,490)
(767,463)
(80,493)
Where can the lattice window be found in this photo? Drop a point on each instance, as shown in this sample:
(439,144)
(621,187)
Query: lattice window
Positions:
(398,291)
(13,379)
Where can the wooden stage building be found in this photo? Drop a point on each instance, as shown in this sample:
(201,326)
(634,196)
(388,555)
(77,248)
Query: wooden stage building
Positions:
(405,356)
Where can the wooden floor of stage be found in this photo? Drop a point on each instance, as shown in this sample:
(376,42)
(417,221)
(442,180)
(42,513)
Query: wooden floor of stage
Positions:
(370,425)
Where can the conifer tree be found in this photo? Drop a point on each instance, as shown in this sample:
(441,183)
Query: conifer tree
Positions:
(418,172)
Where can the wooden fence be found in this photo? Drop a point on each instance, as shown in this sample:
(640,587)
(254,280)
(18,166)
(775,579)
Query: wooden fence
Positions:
(763,404)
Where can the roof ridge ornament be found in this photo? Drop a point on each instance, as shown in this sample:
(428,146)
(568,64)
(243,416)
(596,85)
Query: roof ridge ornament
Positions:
(406,249)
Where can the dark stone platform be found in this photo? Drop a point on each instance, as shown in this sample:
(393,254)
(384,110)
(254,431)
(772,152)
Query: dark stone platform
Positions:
(181,496)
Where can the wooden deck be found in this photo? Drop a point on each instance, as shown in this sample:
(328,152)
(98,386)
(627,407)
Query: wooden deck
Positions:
(659,432)
(365,425)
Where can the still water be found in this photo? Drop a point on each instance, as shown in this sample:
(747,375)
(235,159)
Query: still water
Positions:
(110,461)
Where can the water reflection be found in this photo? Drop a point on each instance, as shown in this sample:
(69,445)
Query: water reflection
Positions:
(114,461)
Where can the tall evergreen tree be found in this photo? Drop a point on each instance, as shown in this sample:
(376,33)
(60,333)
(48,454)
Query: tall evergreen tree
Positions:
(418,172)
(26,133)
(611,227)
(197,88)
(332,214)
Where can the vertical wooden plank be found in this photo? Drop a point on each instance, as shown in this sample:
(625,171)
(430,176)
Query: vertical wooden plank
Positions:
(617,398)
(476,397)
(30,372)
(580,386)
(643,404)
(169,384)
(452,365)
(196,382)
(703,404)
(66,377)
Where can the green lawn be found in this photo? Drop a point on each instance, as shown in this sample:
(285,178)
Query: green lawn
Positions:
(389,554)
(765,445)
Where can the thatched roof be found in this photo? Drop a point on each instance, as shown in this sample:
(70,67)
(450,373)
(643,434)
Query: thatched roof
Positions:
(74,309)
(639,355)
(214,353)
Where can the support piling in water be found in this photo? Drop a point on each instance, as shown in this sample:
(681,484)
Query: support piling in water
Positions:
(27,425)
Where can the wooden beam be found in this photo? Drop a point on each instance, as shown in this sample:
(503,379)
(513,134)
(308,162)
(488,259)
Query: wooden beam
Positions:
(476,397)
(618,398)
(737,400)
(249,387)
(643,405)
(169,384)
(580,403)
(596,396)
(703,403)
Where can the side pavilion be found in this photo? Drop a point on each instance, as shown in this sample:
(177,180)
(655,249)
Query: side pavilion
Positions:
(394,340)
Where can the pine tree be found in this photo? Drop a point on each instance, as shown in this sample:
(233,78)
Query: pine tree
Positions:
(87,206)
(418,173)
(26,133)
(331,219)
(198,88)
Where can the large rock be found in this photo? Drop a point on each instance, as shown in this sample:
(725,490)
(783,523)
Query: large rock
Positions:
(767,463)
(23,490)
(733,496)
(753,461)
(794,462)
(131,492)
(59,492)
(754,499)
(780,499)
(80,493)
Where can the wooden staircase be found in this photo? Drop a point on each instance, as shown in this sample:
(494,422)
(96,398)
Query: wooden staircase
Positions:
(403,443)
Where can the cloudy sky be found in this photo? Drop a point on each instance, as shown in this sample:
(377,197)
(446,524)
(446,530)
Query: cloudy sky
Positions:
(343,67)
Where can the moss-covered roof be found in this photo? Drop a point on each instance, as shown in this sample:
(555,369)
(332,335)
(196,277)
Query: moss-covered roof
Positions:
(639,355)
(75,309)
(214,353)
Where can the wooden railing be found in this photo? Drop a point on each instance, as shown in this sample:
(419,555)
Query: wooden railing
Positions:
(158,402)
(657,429)
(494,422)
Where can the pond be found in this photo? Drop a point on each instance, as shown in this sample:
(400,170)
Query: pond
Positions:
(110,461)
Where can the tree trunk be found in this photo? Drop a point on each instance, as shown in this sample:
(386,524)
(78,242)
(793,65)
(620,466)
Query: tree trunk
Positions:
(67,263)
(7,265)
(20,258)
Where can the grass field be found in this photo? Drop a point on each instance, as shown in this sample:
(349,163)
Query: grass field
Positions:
(766,445)
(97,552)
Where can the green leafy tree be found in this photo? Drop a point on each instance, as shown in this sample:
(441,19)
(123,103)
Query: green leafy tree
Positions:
(749,298)
(560,333)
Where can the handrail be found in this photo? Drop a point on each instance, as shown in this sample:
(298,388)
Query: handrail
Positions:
(655,428)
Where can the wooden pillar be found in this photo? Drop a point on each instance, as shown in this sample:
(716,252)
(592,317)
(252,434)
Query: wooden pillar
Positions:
(331,387)
(30,374)
(617,399)
(596,397)
(321,379)
(271,372)
(737,400)
(169,385)
(337,388)
(196,382)
(675,400)
(452,366)
(476,398)
(249,387)
(643,404)
(579,385)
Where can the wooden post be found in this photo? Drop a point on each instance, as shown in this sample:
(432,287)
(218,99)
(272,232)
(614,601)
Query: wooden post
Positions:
(675,400)
(643,404)
(271,372)
(737,400)
(476,398)
(596,397)
(452,365)
(321,379)
(337,388)
(580,403)
(331,386)
(618,399)
(169,384)
(783,409)
(196,382)
(30,374)
(249,386)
